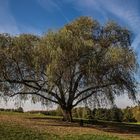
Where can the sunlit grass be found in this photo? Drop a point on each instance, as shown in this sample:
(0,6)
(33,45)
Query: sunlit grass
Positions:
(10,131)
(26,126)
(15,132)
(135,123)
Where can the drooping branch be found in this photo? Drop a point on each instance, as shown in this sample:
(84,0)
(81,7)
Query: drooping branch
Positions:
(84,98)
(34,93)
(93,88)
(27,83)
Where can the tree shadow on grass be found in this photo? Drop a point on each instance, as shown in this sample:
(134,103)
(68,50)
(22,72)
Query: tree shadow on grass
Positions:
(114,127)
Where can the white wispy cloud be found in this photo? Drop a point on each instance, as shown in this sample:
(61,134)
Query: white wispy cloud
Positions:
(53,6)
(125,10)
(7,21)
(9,24)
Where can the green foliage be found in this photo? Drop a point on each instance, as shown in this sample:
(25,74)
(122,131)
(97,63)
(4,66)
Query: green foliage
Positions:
(20,110)
(82,112)
(136,112)
(59,111)
(113,114)
(128,115)
(102,114)
(82,61)
(49,112)
(116,114)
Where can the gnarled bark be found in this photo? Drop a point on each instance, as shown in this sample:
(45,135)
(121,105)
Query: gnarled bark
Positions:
(67,115)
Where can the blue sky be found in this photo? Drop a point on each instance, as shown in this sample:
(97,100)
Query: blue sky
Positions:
(37,16)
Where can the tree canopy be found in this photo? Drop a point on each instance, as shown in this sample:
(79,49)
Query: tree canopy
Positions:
(81,62)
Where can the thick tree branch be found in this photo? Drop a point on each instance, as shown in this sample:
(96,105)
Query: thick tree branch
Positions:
(77,83)
(26,83)
(72,92)
(84,98)
(93,88)
(33,93)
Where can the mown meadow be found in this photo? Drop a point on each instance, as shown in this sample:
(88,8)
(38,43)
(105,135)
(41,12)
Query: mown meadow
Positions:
(26,126)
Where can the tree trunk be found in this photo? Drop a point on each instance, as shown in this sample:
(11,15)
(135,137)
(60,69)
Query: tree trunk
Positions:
(67,115)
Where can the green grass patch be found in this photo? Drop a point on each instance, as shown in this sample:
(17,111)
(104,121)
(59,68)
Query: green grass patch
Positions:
(91,137)
(10,131)
(138,123)
(42,127)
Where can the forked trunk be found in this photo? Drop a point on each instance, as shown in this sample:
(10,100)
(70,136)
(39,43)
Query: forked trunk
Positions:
(67,115)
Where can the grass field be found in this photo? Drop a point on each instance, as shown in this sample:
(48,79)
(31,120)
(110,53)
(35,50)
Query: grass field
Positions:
(138,123)
(25,126)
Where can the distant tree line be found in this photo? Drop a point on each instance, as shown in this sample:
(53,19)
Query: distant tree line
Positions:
(19,110)
(129,114)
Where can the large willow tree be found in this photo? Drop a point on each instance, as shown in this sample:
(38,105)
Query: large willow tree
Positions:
(81,62)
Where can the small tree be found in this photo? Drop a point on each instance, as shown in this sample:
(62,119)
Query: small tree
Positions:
(19,109)
(136,112)
(81,61)
(87,113)
(79,112)
(116,114)
(59,111)
(128,115)
(101,114)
